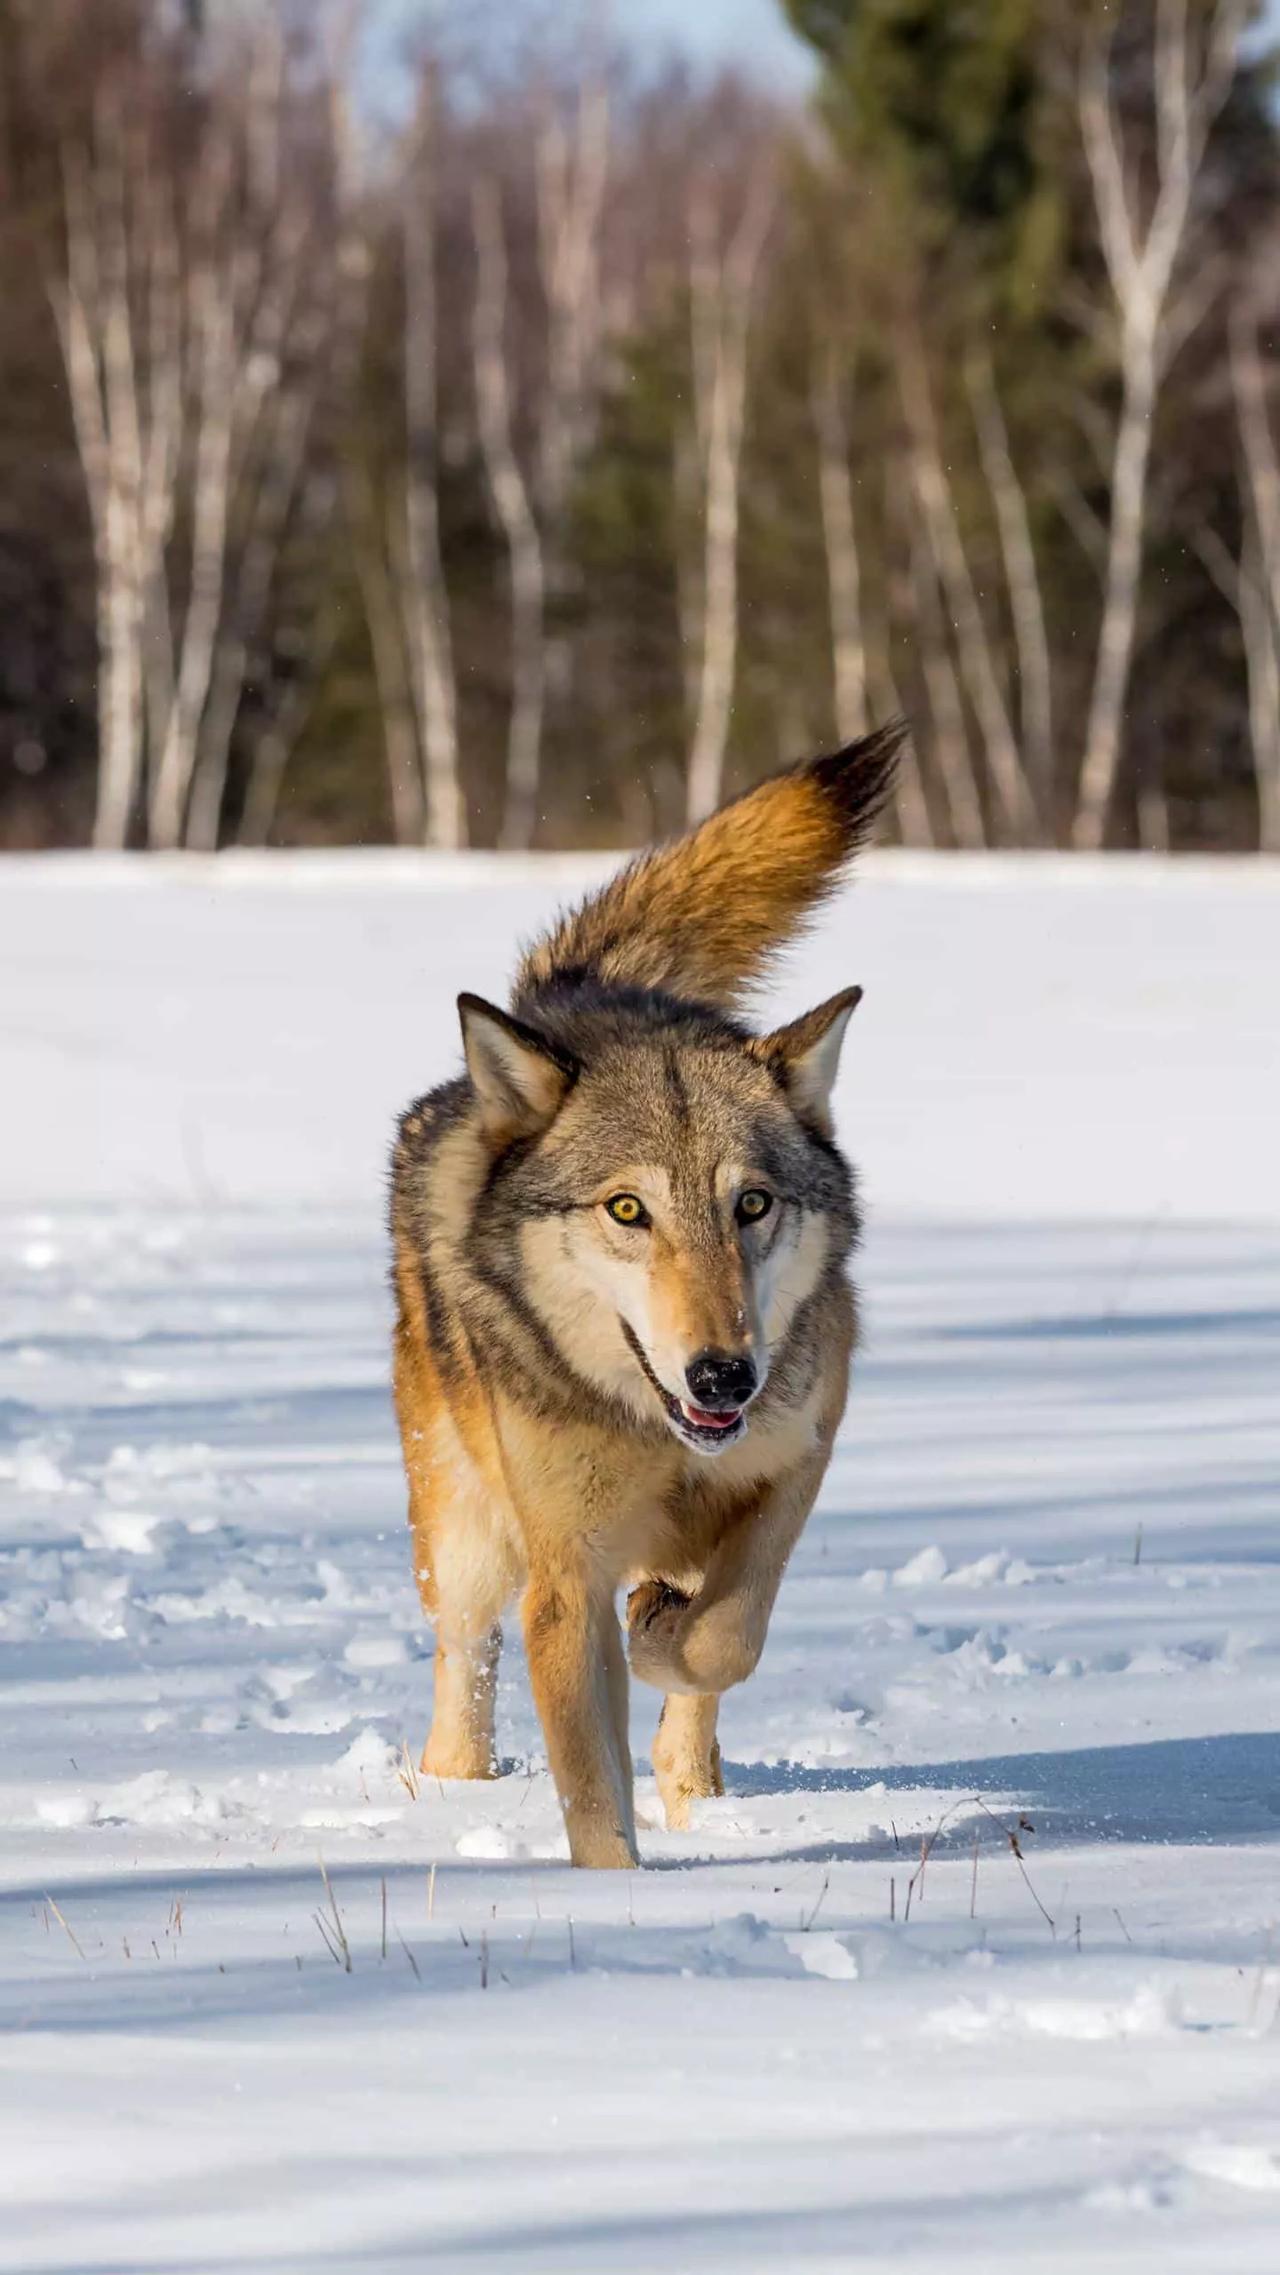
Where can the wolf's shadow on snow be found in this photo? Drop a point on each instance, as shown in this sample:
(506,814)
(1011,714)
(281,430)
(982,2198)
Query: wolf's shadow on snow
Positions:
(1188,1791)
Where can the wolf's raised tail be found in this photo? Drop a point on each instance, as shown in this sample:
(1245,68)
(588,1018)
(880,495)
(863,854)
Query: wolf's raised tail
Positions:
(701,917)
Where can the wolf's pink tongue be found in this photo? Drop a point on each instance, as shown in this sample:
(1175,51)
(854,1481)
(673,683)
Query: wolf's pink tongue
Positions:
(707,1421)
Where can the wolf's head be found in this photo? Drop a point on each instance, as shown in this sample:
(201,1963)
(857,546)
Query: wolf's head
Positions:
(664,1193)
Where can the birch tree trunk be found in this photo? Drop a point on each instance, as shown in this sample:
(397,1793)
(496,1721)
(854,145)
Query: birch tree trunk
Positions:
(249,410)
(1008,787)
(423,590)
(374,531)
(721,294)
(950,740)
(176,316)
(1140,258)
(1259,574)
(840,540)
(852,671)
(513,507)
(272,491)
(92,304)
(1026,606)
(572,173)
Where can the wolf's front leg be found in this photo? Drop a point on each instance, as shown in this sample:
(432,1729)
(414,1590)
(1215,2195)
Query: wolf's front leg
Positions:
(578,1673)
(707,1643)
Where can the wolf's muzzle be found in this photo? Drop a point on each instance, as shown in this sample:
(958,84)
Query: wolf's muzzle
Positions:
(721,1382)
(708,1429)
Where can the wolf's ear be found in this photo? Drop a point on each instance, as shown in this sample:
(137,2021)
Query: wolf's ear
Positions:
(520,1076)
(807,1053)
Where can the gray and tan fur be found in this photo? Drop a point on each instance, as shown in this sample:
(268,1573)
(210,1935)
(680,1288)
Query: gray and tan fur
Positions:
(624,1321)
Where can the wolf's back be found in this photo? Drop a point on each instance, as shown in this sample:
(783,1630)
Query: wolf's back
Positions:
(701,917)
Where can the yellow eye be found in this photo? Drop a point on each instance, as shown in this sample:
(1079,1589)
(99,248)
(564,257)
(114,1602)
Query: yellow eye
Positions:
(624,1208)
(753,1204)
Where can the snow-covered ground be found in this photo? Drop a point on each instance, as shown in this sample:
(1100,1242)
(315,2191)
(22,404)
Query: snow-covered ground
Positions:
(1041,1597)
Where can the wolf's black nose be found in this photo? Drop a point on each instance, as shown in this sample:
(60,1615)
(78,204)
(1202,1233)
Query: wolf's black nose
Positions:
(718,1382)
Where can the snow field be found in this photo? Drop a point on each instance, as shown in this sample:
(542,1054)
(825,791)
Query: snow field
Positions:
(1042,1584)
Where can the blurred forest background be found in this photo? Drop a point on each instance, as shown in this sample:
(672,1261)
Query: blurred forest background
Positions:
(540,466)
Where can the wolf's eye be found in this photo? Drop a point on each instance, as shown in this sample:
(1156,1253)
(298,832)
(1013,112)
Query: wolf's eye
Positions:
(753,1204)
(624,1208)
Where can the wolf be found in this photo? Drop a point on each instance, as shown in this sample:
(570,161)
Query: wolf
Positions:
(624,1324)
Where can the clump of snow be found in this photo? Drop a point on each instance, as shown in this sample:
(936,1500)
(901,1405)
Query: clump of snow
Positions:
(1151,2012)
(824,1955)
(1014,1571)
(921,1570)
(490,1844)
(132,1532)
(375,1651)
(368,1764)
(1253,2165)
(34,1466)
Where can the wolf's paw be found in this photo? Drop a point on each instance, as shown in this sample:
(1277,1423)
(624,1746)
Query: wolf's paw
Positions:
(449,1761)
(654,1613)
(685,1776)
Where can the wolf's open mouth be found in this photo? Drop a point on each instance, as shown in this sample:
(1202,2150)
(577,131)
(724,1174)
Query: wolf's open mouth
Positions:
(693,1425)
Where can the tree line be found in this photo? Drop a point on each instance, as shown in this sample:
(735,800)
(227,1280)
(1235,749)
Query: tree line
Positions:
(545,465)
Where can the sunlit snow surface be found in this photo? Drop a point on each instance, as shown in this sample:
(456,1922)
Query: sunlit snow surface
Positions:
(1043,1584)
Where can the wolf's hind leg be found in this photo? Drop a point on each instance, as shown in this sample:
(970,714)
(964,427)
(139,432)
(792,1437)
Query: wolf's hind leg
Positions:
(686,1754)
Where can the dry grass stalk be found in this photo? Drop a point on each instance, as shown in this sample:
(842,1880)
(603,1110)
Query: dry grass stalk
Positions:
(338,1943)
(806,1924)
(64,1924)
(1023,1825)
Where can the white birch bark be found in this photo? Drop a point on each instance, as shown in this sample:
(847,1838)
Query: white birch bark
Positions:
(1008,787)
(572,175)
(176,320)
(722,286)
(250,319)
(513,507)
(1026,605)
(840,542)
(950,740)
(424,595)
(1140,257)
(376,532)
(852,669)
(1259,574)
(92,307)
